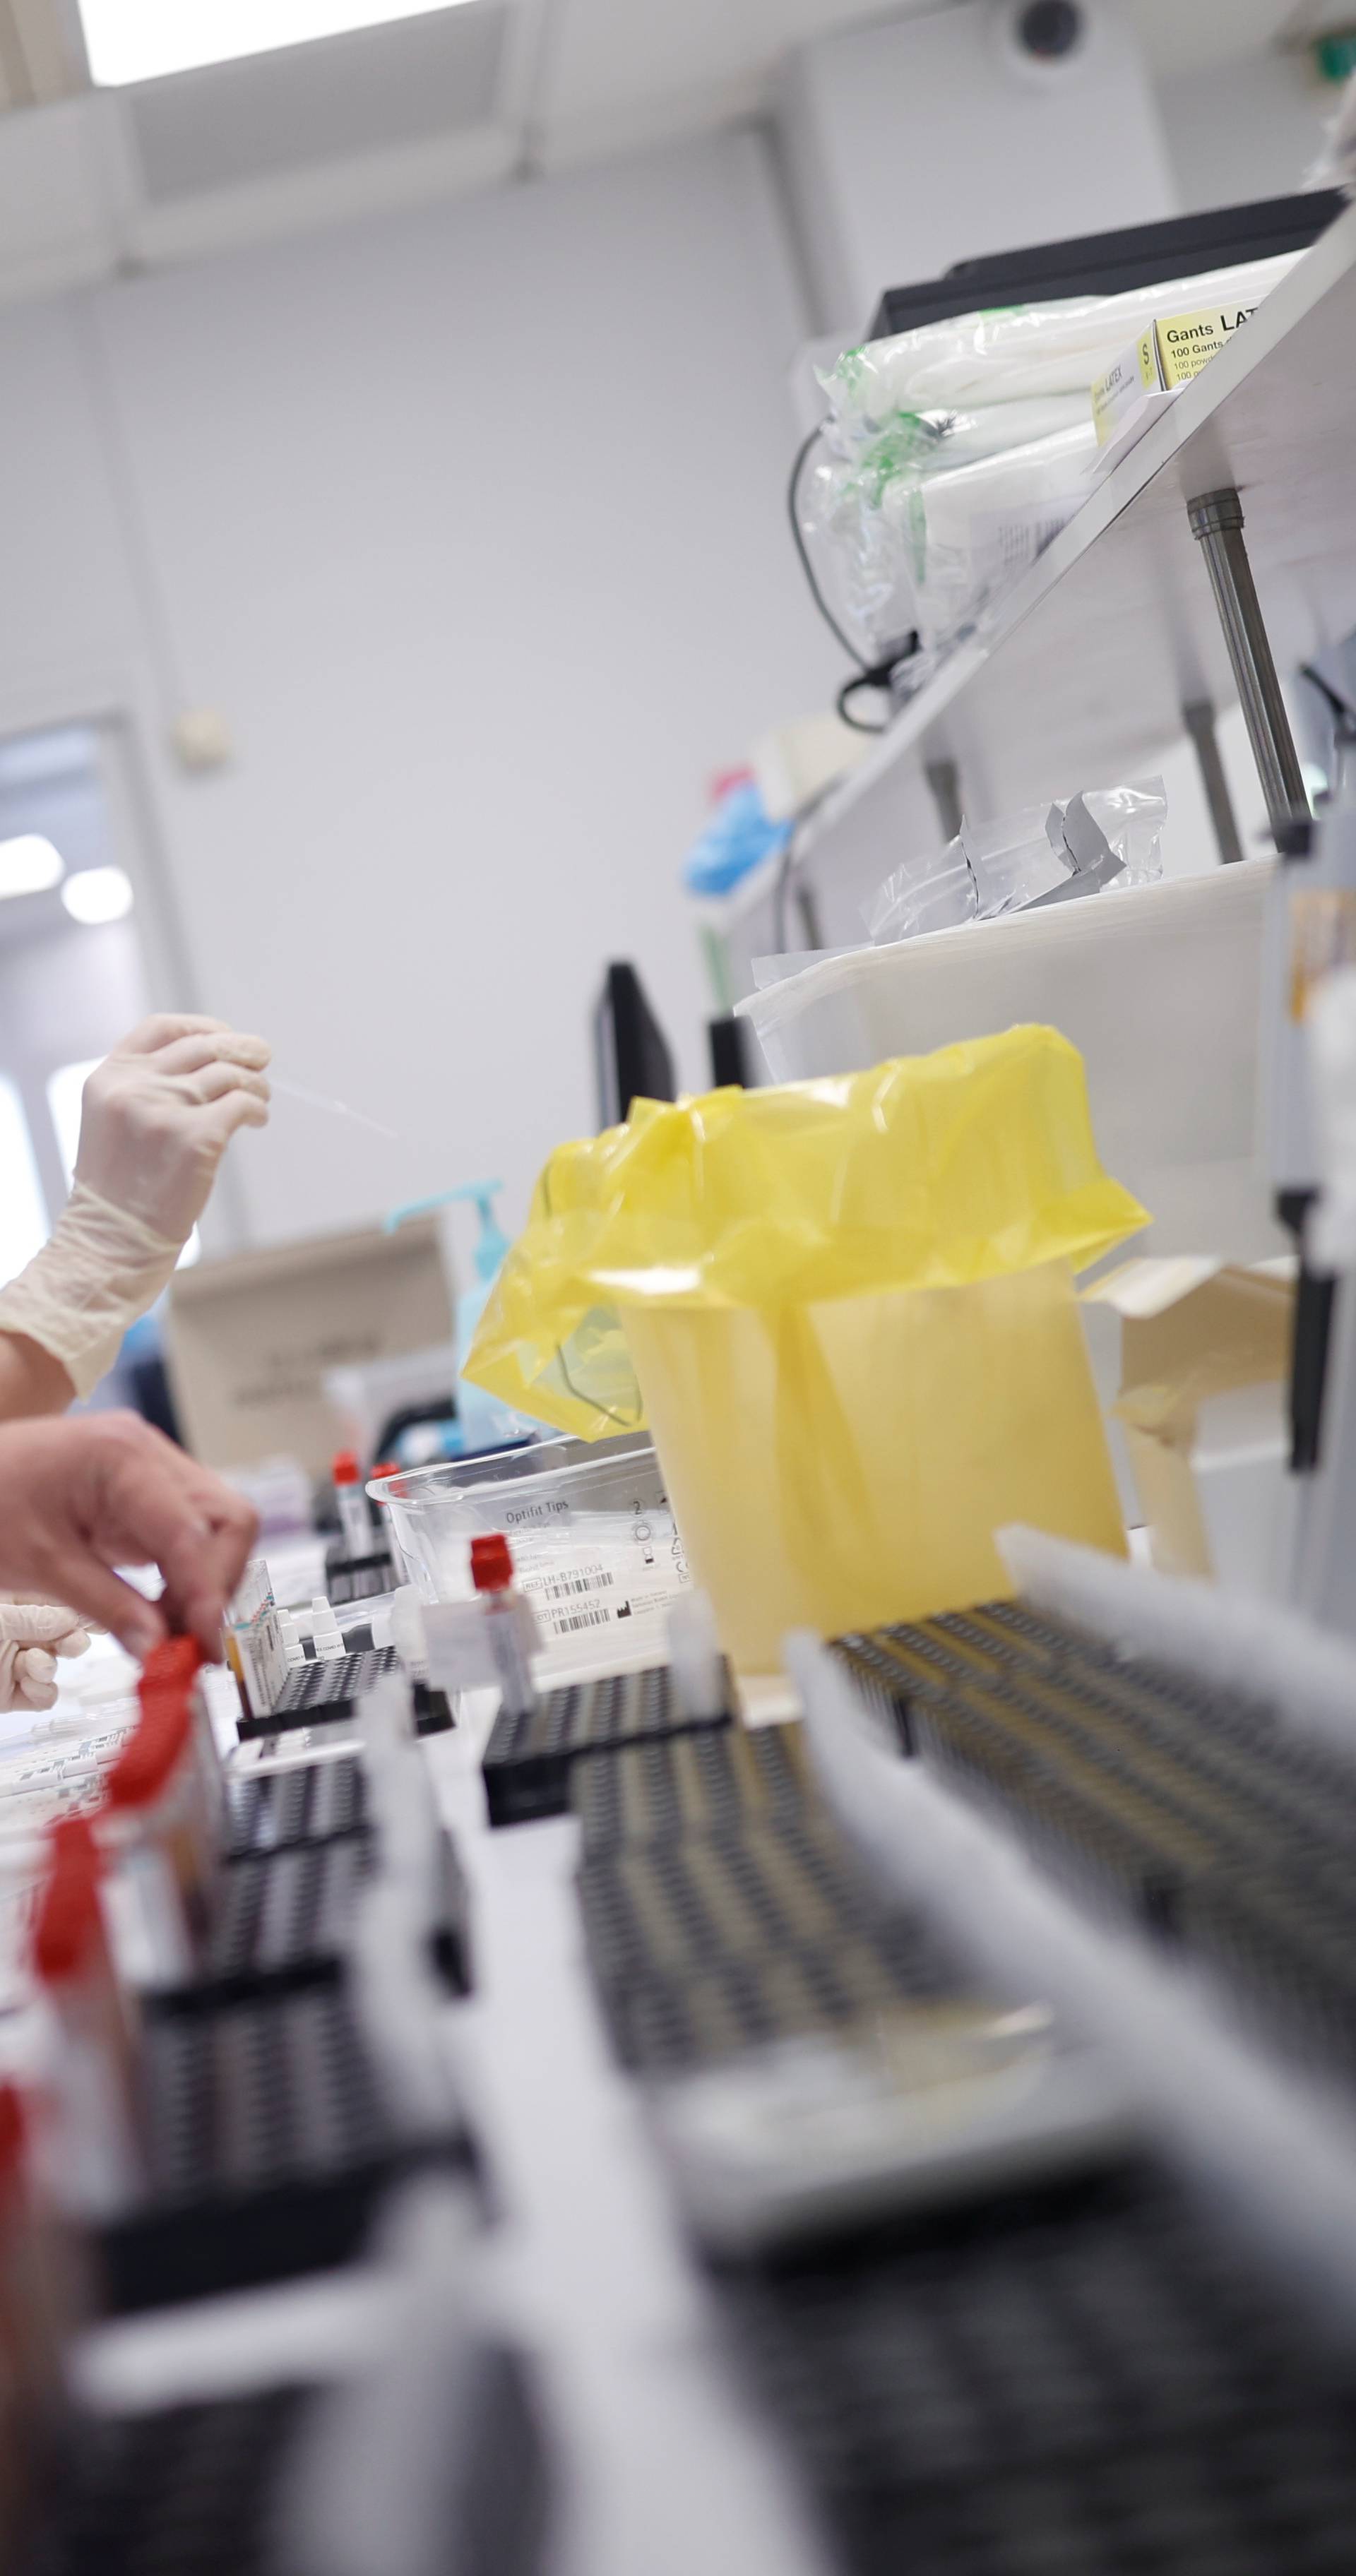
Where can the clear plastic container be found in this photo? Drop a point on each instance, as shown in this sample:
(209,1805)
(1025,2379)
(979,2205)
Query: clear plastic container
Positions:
(595,1546)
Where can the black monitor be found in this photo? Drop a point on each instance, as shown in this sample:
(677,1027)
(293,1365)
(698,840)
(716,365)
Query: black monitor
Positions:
(1112,263)
(633,1058)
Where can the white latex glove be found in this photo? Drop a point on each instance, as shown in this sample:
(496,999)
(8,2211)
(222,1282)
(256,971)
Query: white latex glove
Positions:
(31,1638)
(156,1118)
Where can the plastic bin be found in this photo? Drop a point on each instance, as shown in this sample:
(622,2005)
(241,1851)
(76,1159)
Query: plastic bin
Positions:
(1159,990)
(846,1313)
(843,1464)
(595,1546)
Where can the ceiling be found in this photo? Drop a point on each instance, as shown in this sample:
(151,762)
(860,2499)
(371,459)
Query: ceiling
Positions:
(591,61)
(462,98)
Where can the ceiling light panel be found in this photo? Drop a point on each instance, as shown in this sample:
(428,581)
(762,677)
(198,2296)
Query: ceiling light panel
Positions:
(97,895)
(29,865)
(142,40)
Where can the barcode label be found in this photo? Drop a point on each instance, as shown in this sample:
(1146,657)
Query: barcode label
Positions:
(575,1583)
(581,1619)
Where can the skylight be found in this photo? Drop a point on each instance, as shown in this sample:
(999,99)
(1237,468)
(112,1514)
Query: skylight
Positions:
(141,40)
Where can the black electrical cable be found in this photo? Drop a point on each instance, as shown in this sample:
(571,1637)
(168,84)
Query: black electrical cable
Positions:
(1343,715)
(870,675)
(1341,709)
(798,533)
(876,677)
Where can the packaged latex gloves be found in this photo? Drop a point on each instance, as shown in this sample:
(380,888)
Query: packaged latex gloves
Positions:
(1022,352)
(930,540)
(31,1639)
(1046,854)
(972,531)
(859,506)
(157,1117)
(954,453)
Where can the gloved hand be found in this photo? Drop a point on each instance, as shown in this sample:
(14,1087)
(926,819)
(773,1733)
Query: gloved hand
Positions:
(31,1638)
(158,1114)
(156,1119)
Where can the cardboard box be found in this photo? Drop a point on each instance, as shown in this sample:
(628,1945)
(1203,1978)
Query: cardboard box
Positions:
(250,1339)
(1168,354)
(1205,1368)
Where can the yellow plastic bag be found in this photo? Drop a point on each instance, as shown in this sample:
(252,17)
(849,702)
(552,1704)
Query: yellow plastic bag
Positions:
(845,1308)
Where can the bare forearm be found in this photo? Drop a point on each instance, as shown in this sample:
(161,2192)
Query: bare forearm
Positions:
(31,1380)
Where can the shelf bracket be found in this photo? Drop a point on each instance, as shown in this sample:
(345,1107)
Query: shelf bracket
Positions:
(1217,524)
(1199,719)
(943,778)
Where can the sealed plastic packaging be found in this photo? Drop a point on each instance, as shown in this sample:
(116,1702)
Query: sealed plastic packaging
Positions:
(846,1311)
(936,892)
(972,531)
(1023,352)
(956,452)
(1110,836)
(930,543)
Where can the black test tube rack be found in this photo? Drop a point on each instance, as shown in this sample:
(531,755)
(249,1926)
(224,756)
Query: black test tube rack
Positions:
(200,2490)
(529,1759)
(1199,1814)
(1071,2382)
(268,2148)
(327,1693)
(721,1909)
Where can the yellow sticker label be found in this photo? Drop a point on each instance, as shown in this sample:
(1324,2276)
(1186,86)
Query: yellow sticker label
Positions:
(1322,938)
(1188,341)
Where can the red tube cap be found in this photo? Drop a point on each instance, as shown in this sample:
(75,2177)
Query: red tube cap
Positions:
(491,1563)
(166,1695)
(13,2132)
(345,1470)
(68,1918)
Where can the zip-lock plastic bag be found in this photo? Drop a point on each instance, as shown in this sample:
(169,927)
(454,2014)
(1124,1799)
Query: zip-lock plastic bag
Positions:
(846,1312)
(970,532)
(862,565)
(860,511)
(1045,854)
(1132,820)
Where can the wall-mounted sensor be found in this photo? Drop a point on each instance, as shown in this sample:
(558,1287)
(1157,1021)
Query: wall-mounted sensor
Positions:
(1050,29)
(1045,40)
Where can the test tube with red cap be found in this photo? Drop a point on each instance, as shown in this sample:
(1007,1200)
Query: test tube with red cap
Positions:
(161,1823)
(512,1627)
(93,2072)
(36,2319)
(346,1475)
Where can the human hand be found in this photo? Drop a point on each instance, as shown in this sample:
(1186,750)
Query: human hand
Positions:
(31,1638)
(158,1113)
(80,1496)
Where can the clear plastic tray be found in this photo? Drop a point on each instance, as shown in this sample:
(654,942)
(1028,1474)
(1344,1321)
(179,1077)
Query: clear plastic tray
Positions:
(595,1546)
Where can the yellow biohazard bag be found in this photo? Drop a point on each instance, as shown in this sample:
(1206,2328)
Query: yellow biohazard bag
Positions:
(846,1311)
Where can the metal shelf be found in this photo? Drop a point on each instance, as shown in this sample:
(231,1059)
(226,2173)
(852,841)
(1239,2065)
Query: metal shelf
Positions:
(1082,670)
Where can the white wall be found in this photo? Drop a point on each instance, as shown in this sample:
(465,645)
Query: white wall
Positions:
(1244,129)
(913,143)
(471,523)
